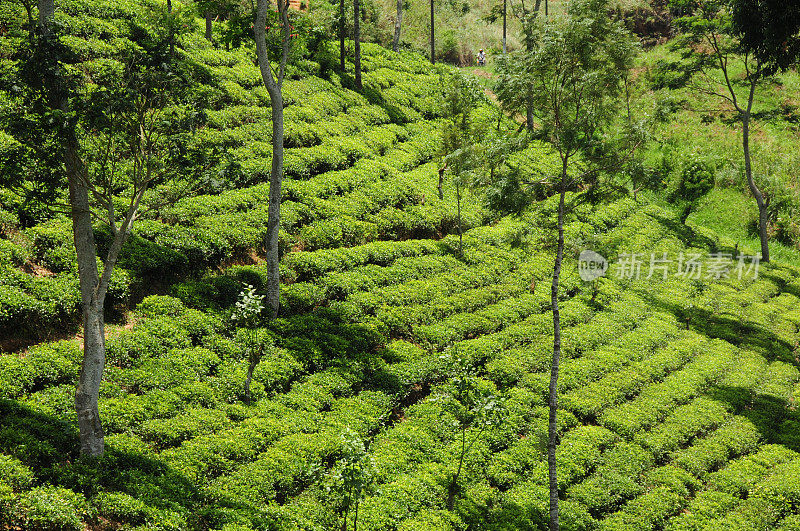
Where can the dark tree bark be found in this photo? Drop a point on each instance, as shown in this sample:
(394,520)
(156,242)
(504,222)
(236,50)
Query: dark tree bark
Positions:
(207,15)
(342,18)
(357,39)
(552,428)
(460,231)
(529,117)
(433,37)
(274,86)
(171,31)
(397,26)
(28,5)
(505,10)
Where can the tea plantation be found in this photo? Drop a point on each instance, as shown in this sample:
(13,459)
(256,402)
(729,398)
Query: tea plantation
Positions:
(677,395)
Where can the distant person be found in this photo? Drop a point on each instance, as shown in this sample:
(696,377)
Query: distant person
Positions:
(481,58)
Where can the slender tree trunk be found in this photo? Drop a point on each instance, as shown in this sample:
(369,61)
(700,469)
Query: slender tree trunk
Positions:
(251,367)
(397,26)
(441,183)
(433,37)
(762,205)
(346,512)
(274,88)
(529,116)
(342,18)
(28,5)
(92,301)
(357,39)
(460,232)
(505,9)
(208,25)
(452,491)
(552,429)
(273,221)
(47,10)
(171,31)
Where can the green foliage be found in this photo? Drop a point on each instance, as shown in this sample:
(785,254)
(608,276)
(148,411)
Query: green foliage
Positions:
(50,508)
(386,334)
(353,476)
(697,179)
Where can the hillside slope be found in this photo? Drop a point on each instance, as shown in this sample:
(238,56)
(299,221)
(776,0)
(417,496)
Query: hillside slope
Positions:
(678,395)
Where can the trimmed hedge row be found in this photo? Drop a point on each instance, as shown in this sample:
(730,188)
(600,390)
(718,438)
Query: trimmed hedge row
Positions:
(657,400)
(621,345)
(667,492)
(613,388)
(616,479)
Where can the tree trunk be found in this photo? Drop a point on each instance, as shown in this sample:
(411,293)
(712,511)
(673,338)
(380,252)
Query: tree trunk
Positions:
(88,392)
(92,301)
(208,25)
(529,117)
(433,37)
(273,221)
(92,294)
(357,39)
(28,5)
(274,88)
(342,16)
(460,232)
(552,429)
(762,205)
(452,490)
(171,31)
(397,25)
(441,183)
(505,9)
(251,367)
(47,10)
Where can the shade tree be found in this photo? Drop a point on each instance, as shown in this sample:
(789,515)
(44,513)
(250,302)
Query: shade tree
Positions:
(575,69)
(733,48)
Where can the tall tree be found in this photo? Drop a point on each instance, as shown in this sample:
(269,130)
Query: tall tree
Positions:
(398,21)
(127,128)
(576,66)
(474,410)
(273,81)
(460,139)
(743,42)
(357,42)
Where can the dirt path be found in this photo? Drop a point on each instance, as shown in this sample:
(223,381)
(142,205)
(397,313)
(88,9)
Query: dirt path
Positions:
(486,74)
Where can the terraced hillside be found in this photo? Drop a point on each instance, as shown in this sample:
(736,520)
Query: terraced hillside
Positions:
(678,395)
